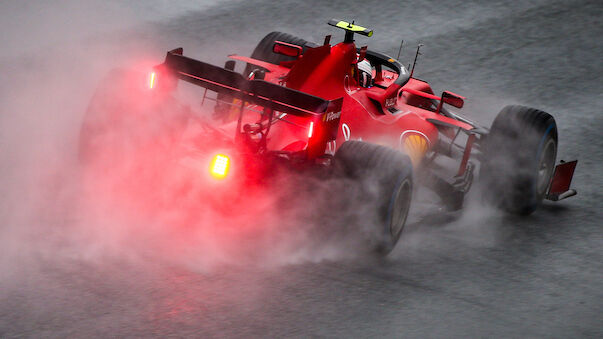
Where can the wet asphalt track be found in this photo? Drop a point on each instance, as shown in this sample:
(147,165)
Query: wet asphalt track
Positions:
(479,275)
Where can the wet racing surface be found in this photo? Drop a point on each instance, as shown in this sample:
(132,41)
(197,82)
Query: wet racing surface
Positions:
(478,273)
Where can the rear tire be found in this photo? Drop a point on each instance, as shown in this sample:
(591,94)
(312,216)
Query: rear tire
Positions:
(519,159)
(263,51)
(391,173)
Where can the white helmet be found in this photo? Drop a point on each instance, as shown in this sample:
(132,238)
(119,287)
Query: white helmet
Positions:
(365,73)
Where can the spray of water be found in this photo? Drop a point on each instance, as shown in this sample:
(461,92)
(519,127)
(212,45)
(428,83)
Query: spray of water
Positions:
(145,204)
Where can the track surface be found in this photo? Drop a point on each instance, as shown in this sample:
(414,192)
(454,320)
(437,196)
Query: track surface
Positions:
(480,275)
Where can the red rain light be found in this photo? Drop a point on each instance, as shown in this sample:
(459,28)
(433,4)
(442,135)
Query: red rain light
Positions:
(311,130)
(152,78)
(219,166)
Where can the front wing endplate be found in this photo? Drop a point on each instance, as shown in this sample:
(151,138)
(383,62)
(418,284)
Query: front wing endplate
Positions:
(561,181)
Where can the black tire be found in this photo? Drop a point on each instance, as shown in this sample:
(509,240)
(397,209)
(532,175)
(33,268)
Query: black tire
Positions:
(391,173)
(263,51)
(519,159)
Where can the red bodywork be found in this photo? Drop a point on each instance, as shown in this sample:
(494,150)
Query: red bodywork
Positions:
(299,112)
(382,114)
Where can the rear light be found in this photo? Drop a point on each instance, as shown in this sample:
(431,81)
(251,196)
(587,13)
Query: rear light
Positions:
(219,166)
(311,129)
(152,78)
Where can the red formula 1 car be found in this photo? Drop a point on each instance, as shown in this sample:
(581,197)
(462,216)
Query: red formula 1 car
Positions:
(340,110)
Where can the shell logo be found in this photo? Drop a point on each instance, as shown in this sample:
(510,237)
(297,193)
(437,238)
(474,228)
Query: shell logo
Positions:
(415,144)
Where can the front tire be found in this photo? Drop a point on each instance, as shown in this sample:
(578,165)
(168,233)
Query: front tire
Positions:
(519,159)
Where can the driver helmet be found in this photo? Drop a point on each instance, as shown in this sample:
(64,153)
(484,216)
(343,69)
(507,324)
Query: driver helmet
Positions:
(365,73)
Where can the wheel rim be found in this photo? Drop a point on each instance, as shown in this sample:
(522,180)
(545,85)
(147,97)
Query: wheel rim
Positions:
(546,164)
(400,208)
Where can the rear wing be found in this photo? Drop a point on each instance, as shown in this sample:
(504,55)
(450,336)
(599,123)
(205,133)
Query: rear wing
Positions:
(259,92)
(323,115)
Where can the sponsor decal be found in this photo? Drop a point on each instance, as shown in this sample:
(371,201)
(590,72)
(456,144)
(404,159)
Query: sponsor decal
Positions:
(345,129)
(415,144)
(332,116)
(331,147)
(389,102)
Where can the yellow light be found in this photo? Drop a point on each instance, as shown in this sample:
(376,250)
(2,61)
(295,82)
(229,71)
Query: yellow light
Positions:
(219,166)
(311,130)
(415,145)
(152,78)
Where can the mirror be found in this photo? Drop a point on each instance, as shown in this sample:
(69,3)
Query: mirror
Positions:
(287,49)
(453,99)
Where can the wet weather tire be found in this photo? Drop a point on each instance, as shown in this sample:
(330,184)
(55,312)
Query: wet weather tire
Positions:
(519,159)
(389,172)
